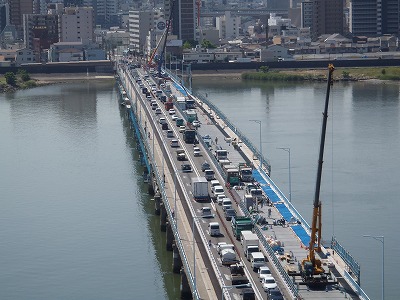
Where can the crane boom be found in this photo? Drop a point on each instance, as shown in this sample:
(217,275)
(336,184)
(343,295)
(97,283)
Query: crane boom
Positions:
(311,267)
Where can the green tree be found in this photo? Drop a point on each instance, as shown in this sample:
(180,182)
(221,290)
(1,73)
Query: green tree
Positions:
(207,44)
(264,69)
(10,78)
(345,75)
(24,75)
(383,71)
(187,45)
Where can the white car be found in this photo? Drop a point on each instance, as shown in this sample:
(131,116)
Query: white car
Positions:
(171,111)
(206,212)
(196,151)
(196,123)
(174,117)
(268,283)
(182,129)
(220,198)
(226,203)
(264,272)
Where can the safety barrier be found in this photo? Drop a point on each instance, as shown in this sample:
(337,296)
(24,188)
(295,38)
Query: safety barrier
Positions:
(175,231)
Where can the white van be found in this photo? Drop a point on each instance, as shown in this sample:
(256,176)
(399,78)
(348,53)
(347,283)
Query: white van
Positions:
(257,260)
(209,174)
(226,203)
(217,190)
(214,183)
(213,228)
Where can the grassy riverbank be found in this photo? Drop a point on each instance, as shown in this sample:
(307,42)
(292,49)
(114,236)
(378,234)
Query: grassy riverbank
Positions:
(348,74)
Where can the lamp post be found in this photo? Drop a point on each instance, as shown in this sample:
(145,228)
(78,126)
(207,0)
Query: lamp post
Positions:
(381,239)
(261,156)
(290,176)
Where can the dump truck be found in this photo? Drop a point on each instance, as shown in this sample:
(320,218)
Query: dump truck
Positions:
(238,275)
(245,172)
(240,223)
(200,189)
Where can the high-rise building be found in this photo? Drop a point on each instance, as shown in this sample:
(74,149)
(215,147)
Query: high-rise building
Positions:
(77,25)
(183,18)
(140,23)
(374,17)
(40,31)
(105,11)
(4,16)
(17,9)
(323,16)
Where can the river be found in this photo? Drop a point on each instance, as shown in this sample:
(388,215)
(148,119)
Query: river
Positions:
(360,186)
(76,221)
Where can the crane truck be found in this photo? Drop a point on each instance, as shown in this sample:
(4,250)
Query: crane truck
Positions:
(311,270)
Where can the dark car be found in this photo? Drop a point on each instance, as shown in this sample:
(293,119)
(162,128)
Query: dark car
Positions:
(164,126)
(248,294)
(229,213)
(205,166)
(274,294)
(186,168)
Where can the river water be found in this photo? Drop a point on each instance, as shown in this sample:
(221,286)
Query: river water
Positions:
(360,181)
(76,221)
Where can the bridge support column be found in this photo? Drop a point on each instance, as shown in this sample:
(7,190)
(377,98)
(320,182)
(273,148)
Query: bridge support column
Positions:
(157,201)
(163,217)
(176,260)
(151,185)
(185,288)
(170,237)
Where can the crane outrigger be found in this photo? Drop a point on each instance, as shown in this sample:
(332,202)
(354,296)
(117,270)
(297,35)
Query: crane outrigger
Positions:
(312,272)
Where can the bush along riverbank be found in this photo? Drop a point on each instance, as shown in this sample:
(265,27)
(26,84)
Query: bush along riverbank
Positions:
(12,82)
(343,74)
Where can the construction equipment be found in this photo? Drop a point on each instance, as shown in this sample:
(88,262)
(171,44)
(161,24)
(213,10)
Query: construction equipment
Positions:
(163,38)
(312,272)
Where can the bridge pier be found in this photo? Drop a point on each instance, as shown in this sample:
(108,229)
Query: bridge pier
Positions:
(150,186)
(176,260)
(157,202)
(170,237)
(163,217)
(186,293)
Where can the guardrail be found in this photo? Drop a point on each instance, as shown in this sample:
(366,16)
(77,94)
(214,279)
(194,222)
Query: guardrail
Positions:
(240,135)
(357,288)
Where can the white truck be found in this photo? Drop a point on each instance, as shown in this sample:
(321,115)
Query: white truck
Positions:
(250,243)
(200,189)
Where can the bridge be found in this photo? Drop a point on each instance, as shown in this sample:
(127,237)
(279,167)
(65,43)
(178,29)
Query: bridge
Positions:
(204,273)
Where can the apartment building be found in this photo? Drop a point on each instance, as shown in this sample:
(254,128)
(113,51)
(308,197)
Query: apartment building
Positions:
(77,25)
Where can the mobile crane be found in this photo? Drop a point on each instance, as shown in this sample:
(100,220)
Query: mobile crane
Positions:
(311,270)
(163,38)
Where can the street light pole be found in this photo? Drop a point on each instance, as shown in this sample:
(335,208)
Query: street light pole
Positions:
(261,156)
(381,239)
(290,176)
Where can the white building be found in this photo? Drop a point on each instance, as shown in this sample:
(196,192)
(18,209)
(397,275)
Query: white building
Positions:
(77,25)
(274,53)
(228,26)
(140,24)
